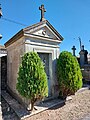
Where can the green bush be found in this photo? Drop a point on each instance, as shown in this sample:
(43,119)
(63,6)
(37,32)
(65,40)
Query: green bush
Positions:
(68,73)
(32,80)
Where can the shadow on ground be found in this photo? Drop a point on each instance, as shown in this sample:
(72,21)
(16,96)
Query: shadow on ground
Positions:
(57,106)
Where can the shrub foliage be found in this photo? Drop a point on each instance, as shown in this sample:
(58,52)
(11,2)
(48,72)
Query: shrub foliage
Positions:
(32,79)
(68,73)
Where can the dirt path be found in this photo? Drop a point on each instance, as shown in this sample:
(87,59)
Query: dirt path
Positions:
(76,109)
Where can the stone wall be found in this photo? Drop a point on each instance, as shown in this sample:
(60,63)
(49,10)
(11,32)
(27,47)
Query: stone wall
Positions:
(14,53)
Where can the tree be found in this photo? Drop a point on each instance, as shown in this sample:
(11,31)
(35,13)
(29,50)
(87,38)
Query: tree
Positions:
(68,73)
(32,79)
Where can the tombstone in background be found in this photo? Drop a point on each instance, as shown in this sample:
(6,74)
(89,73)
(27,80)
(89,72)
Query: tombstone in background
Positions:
(83,56)
(85,67)
(42,38)
(88,58)
(73,48)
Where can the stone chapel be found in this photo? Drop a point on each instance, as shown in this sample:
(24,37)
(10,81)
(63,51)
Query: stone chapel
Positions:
(42,38)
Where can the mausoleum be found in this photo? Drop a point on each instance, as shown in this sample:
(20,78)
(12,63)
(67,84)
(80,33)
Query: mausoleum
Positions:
(42,38)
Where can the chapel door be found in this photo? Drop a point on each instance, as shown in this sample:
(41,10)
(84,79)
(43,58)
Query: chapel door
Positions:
(45,58)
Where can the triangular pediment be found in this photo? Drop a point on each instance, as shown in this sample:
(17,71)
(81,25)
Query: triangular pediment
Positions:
(43,29)
(45,32)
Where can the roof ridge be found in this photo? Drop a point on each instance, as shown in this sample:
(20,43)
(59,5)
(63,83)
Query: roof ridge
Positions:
(34,25)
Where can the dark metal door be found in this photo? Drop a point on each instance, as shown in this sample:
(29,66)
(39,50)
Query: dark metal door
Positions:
(45,58)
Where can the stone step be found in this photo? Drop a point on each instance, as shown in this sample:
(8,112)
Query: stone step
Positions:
(22,113)
(7,112)
(18,108)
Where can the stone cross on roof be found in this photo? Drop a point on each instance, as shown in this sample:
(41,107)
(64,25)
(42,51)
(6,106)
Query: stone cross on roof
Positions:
(42,12)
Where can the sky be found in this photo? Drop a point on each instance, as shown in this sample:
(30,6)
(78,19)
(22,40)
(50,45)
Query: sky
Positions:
(71,18)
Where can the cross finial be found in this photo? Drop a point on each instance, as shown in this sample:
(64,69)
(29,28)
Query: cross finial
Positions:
(42,12)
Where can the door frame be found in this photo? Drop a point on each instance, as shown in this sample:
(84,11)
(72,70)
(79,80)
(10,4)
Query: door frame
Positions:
(51,54)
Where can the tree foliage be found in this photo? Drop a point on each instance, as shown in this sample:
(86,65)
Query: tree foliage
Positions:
(32,79)
(68,73)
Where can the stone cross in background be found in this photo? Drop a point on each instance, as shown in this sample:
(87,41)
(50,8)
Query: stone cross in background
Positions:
(73,48)
(42,12)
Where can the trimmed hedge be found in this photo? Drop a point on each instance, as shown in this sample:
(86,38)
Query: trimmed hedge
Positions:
(68,73)
(32,80)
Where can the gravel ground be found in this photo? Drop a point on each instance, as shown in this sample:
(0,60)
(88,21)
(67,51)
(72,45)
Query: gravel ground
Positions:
(76,109)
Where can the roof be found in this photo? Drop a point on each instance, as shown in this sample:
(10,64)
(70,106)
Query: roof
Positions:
(31,28)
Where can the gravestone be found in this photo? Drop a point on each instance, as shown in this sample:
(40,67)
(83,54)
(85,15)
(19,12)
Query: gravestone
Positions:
(88,56)
(83,56)
(85,67)
(73,48)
